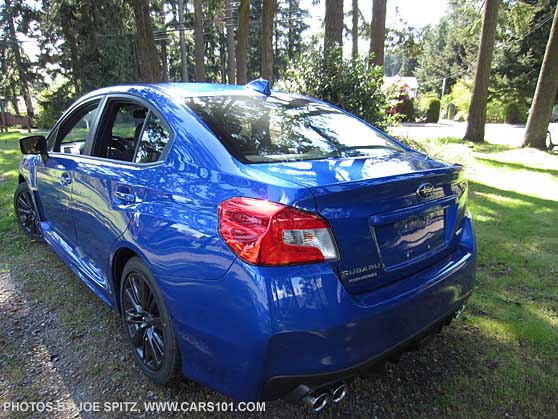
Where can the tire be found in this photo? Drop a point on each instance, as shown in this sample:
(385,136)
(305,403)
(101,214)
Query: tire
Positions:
(25,213)
(147,324)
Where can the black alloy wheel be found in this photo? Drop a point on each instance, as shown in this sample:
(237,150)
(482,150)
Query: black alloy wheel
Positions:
(143,321)
(25,212)
(147,324)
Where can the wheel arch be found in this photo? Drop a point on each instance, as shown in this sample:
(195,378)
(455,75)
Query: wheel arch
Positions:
(121,256)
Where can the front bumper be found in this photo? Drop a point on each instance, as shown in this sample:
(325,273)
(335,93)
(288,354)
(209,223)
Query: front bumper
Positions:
(260,331)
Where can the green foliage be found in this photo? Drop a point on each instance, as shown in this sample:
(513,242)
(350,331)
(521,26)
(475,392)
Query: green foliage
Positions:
(460,96)
(450,47)
(93,48)
(514,113)
(522,36)
(495,110)
(353,85)
(423,103)
(407,110)
(403,48)
(433,110)
(53,104)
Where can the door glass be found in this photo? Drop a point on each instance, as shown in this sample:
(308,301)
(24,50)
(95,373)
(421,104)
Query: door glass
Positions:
(121,134)
(153,140)
(73,133)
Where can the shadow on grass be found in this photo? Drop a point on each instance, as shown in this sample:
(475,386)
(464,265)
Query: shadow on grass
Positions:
(517,247)
(515,166)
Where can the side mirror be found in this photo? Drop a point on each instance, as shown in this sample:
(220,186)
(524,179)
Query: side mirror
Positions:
(35,144)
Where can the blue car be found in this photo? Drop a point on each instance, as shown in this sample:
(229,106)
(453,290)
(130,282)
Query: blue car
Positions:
(264,244)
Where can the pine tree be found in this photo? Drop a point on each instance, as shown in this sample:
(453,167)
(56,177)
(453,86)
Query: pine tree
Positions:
(547,87)
(477,110)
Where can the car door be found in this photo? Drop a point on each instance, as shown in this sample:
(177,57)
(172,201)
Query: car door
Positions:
(55,176)
(110,183)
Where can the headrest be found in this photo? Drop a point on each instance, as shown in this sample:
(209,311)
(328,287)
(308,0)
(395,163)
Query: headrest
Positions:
(139,114)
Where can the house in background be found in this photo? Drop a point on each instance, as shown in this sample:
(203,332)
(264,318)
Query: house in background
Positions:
(409,85)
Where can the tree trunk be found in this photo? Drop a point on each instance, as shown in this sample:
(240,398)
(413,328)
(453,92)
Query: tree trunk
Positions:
(290,40)
(183,52)
(378,31)
(242,50)
(165,60)
(223,56)
(149,68)
(477,109)
(268,11)
(333,36)
(231,52)
(3,117)
(23,77)
(199,43)
(354,30)
(13,98)
(545,94)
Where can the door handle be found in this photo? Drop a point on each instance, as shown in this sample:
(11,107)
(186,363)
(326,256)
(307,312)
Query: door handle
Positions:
(65,179)
(123,193)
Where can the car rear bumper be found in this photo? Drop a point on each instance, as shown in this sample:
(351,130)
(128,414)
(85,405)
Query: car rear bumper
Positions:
(365,329)
(260,331)
(280,386)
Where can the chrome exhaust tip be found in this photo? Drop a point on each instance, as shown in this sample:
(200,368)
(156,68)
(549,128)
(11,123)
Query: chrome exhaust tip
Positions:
(316,402)
(339,392)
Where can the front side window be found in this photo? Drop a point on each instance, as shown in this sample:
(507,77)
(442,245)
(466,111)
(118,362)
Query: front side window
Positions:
(75,131)
(154,138)
(259,129)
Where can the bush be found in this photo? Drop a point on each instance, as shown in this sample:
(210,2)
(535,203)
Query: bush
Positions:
(433,110)
(514,114)
(460,96)
(407,110)
(352,85)
(495,111)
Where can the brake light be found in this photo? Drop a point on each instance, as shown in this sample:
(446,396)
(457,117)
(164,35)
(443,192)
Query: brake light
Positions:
(267,233)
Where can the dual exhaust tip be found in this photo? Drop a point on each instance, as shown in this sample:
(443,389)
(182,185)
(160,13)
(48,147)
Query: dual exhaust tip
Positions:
(318,399)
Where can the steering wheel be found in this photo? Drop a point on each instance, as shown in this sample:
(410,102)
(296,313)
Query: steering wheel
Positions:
(115,143)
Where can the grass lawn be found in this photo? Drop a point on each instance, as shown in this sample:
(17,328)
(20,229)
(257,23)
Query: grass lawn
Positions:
(499,359)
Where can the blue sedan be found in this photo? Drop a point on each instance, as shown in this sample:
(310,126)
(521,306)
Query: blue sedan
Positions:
(267,245)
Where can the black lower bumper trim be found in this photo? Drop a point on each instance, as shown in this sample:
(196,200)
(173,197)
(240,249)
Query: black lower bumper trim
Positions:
(279,386)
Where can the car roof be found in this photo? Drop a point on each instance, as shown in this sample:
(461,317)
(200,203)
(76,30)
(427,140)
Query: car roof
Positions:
(176,89)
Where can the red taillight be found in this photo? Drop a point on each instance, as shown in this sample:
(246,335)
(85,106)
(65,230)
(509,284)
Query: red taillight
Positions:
(267,233)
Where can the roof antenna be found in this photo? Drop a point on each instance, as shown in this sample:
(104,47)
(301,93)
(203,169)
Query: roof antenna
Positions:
(260,85)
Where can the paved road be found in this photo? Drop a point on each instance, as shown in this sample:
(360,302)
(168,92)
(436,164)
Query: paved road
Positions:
(495,133)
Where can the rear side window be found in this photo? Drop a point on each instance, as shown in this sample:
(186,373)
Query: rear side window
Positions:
(258,129)
(154,138)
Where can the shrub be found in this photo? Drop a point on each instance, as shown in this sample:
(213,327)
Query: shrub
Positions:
(422,105)
(352,85)
(514,114)
(460,96)
(433,110)
(407,110)
(495,111)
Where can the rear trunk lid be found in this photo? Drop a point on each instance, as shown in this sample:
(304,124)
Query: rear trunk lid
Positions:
(392,214)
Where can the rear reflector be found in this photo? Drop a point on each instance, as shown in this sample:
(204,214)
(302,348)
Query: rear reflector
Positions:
(267,233)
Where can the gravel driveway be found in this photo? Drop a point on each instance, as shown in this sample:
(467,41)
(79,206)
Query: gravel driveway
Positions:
(60,344)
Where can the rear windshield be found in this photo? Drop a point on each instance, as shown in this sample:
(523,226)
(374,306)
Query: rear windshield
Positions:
(259,129)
